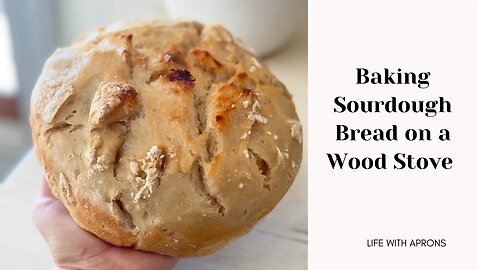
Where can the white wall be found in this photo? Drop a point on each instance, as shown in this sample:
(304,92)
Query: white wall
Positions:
(8,77)
(32,25)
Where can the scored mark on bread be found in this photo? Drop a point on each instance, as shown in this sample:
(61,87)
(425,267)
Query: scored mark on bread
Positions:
(212,146)
(205,61)
(66,187)
(198,58)
(121,213)
(113,102)
(129,54)
(60,126)
(198,177)
(119,152)
(75,128)
(146,173)
(264,169)
(102,153)
(72,114)
(199,108)
(61,94)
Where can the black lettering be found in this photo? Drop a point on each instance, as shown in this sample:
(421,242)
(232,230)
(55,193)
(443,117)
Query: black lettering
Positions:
(398,159)
(376,78)
(339,103)
(362,73)
(342,134)
(338,159)
(444,135)
(388,77)
(447,163)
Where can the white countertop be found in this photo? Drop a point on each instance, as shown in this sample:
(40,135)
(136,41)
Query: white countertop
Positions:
(278,242)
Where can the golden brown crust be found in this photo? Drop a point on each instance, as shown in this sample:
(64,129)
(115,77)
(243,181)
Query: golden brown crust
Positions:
(113,102)
(168,138)
(101,223)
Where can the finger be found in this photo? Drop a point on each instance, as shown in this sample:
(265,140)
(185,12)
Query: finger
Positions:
(45,189)
(43,206)
(142,260)
(57,226)
(48,212)
(47,208)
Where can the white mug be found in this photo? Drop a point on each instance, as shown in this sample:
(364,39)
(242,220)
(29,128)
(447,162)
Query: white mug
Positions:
(263,25)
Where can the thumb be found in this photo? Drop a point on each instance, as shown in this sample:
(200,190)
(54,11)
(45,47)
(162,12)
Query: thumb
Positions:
(48,211)
(52,218)
(135,259)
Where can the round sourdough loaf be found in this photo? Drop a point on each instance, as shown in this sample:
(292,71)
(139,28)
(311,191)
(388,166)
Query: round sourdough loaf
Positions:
(166,138)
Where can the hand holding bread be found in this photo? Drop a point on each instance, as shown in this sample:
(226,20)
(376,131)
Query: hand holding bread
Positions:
(172,138)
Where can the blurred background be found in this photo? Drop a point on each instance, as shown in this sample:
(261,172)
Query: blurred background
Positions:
(30,30)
